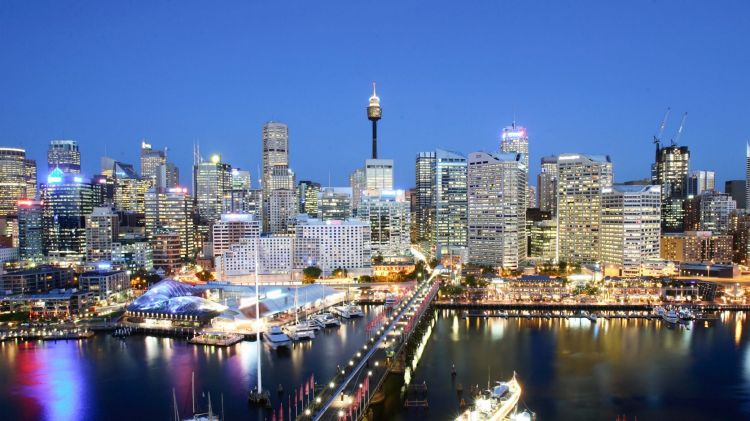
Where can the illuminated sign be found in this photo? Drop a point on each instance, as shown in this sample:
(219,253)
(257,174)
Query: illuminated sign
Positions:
(514,135)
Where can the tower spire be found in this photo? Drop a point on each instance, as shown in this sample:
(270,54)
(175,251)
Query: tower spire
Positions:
(374,113)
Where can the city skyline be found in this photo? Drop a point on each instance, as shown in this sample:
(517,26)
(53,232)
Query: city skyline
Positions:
(464,109)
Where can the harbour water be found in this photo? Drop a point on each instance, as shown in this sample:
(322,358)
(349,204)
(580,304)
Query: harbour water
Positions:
(569,369)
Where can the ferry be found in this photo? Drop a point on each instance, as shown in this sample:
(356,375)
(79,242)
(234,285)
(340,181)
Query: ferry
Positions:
(276,338)
(348,311)
(326,320)
(494,404)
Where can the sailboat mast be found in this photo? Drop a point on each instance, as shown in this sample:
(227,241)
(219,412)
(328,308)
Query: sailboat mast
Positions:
(257,310)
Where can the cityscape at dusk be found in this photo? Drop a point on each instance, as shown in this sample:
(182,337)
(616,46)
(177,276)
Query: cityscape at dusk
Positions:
(499,210)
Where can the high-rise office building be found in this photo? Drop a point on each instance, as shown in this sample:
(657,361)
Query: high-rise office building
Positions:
(747,177)
(630,228)
(670,171)
(168,250)
(715,210)
(102,229)
(64,154)
(13,179)
(700,181)
(151,160)
(212,184)
(388,214)
(335,203)
(378,175)
(67,199)
(496,209)
(167,176)
(239,199)
(129,189)
(275,150)
(441,200)
(307,197)
(172,210)
(547,185)
(736,189)
(358,184)
(282,209)
(30,230)
(581,179)
(31,178)
(515,140)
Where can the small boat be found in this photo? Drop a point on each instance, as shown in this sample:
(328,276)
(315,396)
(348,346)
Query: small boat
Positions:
(670,317)
(592,317)
(494,404)
(658,312)
(503,314)
(686,314)
(326,320)
(276,338)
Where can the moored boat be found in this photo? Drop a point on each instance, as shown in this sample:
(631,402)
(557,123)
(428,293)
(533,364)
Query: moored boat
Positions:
(670,317)
(494,404)
(326,320)
(276,338)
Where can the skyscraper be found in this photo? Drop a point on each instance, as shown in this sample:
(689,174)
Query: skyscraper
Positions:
(275,153)
(736,189)
(581,179)
(167,176)
(441,200)
(496,209)
(171,211)
(282,208)
(378,175)
(129,189)
(335,203)
(307,197)
(747,177)
(359,185)
(212,184)
(102,226)
(67,199)
(715,209)
(389,216)
(65,155)
(151,160)
(31,179)
(515,140)
(630,227)
(670,171)
(547,185)
(13,179)
(700,181)
(374,113)
(30,230)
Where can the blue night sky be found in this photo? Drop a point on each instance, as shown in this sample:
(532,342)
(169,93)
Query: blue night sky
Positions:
(583,76)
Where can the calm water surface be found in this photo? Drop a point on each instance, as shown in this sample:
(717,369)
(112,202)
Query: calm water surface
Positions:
(570,369)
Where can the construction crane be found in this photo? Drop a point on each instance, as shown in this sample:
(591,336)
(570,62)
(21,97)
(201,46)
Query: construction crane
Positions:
(679,130)
(657,136)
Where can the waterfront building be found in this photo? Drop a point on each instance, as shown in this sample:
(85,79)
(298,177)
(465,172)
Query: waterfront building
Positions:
(630,228)
(441,213)
(167,246)
(547,185)
(496,209)
(670,171)
(715,209)
(13,179)
(104,283)
(543,240)
(151,161)
(60,303)
(67,199)
(335,203)
(31,178)
(341,244)
(358,184)
(36,280)
(736,189)
(696,246)
(581,179)
(275,152)
(388,215)
(30,230)
(231,229)
(212,182)
(102,230)
(64,154)
(378,175)
(700,181)
(171,210)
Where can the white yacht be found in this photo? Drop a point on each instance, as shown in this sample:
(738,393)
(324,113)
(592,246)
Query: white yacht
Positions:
(670,317)
(494,404)
(301,330)
(276,338)
(348,311)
